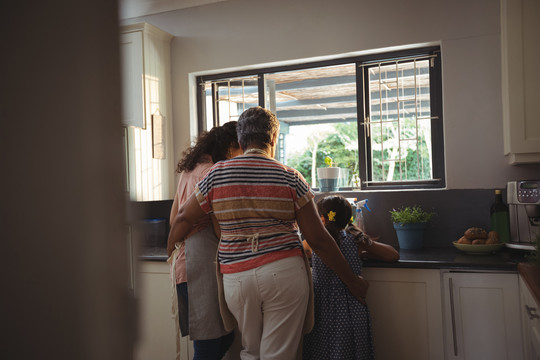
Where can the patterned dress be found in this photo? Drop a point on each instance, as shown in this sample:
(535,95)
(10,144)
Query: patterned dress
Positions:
(342,324)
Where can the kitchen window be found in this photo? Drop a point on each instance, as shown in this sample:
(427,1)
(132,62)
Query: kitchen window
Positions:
(379,116)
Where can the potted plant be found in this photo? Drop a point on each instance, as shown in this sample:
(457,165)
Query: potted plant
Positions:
(328,176)
(409,223)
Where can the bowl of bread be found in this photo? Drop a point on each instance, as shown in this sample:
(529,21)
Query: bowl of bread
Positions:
(476,240)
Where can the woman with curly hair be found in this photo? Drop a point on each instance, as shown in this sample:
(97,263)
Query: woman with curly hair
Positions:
(192,261)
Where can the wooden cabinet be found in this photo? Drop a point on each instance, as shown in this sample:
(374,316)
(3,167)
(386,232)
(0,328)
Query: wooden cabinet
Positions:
(156,327)
(530,318)
(405,306)
(147,112)
(481,316)
(520,26)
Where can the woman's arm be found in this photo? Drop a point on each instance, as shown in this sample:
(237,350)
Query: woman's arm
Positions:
(174,209)
(188,214)
(326,248)
(378,251)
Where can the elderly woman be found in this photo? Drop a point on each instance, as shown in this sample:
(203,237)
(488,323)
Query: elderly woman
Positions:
(259,204)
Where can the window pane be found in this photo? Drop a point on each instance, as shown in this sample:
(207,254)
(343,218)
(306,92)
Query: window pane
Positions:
(317,112)
(399,101)
(231,98)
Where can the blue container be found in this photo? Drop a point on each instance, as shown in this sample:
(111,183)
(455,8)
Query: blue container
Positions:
(327,185)
(410,236)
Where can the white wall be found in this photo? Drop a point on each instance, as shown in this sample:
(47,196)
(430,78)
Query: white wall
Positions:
(234,34)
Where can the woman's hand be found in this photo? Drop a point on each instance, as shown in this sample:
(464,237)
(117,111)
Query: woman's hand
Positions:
(359,288)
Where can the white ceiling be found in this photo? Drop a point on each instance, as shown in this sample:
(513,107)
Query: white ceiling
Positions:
(136,8)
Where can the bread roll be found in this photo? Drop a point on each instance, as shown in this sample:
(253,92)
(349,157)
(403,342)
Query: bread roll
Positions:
(478,241)
(475,233)
(493,238)
(463,240)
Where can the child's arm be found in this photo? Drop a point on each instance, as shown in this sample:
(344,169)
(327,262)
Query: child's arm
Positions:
(378,251)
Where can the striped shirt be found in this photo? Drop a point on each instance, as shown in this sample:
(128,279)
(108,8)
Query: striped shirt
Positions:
(255,200)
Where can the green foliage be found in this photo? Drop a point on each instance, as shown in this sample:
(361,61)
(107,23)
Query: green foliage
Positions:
(341,146)
(410,215)
(416,157)
(534,257)
(302,163)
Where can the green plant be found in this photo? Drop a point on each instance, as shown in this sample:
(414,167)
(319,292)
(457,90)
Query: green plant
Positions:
(328,161)
(534,256)
(411,214)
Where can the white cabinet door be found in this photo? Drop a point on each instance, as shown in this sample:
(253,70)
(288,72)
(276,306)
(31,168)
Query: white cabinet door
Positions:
(482,316)
(156,326)
(131,51)
(520,26)
(405,306)
(530,311)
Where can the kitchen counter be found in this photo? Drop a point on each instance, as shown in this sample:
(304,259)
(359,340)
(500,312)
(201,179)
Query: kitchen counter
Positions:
(425,258)
(434,258)
(531,276)
(452,258)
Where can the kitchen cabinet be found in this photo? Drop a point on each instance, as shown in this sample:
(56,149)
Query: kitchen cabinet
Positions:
(481,316)
(147,111)
(520,26)
(405,305)
(156,325)
(530,318)
(131,49)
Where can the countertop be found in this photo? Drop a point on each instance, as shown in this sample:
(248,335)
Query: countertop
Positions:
(531,276)
(425,258)
(511,260)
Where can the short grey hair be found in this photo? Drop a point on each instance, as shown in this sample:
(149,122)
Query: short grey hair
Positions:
(256,126)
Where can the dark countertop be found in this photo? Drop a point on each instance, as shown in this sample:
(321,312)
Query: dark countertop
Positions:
(425,258)
(434,258)
(452,258)
(531,276)
(153,253)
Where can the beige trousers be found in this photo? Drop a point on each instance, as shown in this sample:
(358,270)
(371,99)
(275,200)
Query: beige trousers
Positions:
(269,304)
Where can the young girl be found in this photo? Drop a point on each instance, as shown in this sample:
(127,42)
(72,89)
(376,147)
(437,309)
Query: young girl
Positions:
(342,324)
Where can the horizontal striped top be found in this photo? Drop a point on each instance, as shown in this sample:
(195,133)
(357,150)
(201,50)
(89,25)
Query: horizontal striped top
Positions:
(255,200)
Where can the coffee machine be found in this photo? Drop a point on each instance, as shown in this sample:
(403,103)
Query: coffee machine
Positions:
(523,198)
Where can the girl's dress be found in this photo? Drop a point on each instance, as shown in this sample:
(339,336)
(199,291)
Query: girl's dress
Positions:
(342,324)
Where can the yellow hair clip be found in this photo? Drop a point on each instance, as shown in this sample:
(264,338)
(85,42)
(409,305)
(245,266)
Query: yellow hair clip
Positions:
(331,216)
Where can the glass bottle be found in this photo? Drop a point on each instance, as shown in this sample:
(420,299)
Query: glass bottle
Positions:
(499,217)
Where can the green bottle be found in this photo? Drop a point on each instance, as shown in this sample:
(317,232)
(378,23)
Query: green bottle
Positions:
(500,219)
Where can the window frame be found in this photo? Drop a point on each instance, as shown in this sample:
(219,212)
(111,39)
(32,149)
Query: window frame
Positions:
(362,97)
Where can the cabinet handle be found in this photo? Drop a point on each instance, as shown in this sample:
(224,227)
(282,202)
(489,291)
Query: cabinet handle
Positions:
(531,312)
(452,312)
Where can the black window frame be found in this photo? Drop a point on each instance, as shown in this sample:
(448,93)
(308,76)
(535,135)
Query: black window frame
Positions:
(362,94)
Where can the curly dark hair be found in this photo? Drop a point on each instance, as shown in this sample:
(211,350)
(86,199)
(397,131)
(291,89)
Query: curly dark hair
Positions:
(256,126)
(342,218)
(217,143)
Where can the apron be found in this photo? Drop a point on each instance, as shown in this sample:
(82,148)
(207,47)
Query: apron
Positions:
(204,310)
